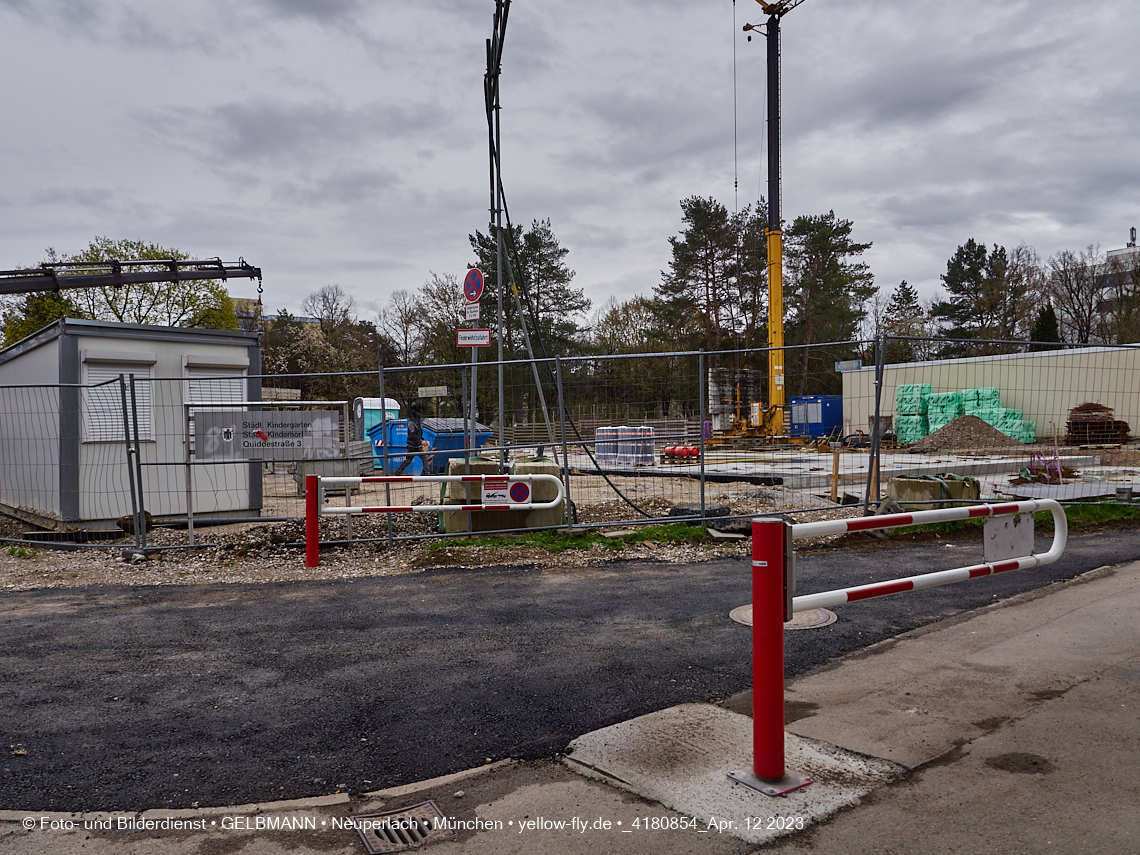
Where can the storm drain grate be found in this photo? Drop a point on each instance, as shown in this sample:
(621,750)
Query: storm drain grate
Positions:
(397,830)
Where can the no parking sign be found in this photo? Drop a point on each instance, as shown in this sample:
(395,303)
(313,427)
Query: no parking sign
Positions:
(515,492)
(473,285)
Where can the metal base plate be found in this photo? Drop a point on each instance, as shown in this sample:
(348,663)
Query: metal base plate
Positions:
(779,787)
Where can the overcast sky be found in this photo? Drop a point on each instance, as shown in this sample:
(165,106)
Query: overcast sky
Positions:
(344,141)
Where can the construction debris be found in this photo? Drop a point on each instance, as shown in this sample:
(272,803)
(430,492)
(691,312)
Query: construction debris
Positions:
(1094,424)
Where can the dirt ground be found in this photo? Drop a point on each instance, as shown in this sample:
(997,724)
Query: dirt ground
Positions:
(270,552)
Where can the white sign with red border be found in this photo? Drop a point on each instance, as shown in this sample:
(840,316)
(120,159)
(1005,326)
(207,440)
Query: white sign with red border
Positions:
(495,492)
(473,338)
(506,492)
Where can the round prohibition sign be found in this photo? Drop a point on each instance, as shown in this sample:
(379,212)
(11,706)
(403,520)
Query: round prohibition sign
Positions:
(520,492)
(473,285)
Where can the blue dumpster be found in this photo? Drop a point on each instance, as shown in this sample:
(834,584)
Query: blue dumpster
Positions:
(447,435)
(393,434)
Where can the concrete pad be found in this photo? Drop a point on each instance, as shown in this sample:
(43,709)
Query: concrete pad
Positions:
(681,757)
(914,698)
(1061,778)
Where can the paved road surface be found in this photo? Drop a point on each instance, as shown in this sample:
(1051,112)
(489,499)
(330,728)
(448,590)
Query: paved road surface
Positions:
(166,697)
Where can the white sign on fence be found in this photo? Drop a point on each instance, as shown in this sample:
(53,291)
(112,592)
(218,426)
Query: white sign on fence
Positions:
(506,492)
(473,338)
(267,435)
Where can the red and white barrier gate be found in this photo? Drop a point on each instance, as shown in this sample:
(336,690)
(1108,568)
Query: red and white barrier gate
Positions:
(511,493)
(773,603)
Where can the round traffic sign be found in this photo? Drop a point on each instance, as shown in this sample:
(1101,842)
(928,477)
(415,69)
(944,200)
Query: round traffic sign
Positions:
(473,285)
(520,492)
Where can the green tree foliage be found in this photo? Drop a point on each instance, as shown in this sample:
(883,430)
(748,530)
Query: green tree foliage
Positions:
(825,294)
(336,353)
(714,293)
(1045,329)
(33,312)
(559,305)
(203,303)
(904,321)
(993,297)
(635,387)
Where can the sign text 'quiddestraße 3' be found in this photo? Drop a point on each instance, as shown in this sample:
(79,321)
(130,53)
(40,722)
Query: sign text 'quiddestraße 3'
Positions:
(295,435)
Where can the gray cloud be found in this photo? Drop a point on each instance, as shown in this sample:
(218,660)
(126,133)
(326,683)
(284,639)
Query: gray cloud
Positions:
(332,139)
(268,130)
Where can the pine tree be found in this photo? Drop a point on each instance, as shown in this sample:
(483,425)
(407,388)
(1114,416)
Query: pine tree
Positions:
(559,305)
(1045,329)
(905,320)
(826,289)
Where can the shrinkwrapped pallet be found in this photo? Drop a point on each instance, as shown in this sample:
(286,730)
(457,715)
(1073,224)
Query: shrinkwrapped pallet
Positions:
(910,398)
(910,429)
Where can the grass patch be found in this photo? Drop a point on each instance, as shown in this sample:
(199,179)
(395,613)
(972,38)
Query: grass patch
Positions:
(20,552)
(1082,516)
(555,542)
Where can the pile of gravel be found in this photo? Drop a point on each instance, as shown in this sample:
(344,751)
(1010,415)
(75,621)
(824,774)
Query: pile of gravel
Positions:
(967,433)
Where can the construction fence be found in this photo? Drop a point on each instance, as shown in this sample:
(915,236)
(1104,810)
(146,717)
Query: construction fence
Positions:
(635,438)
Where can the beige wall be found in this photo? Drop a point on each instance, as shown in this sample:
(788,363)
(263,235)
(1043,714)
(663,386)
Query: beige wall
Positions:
(1044,385)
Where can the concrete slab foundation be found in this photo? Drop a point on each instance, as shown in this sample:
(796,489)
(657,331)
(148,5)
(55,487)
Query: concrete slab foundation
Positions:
(681,758)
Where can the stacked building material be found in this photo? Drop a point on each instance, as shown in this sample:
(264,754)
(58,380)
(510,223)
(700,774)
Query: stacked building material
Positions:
(910,412)
(977,401)
(910,399)
(985,403)
(942,408)
(1093,424)
(910,429)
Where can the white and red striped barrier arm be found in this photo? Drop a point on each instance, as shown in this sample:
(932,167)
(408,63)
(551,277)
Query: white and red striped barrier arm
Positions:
(440,479)
(828,599)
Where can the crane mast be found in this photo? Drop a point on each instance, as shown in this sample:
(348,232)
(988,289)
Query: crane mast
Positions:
(773,416)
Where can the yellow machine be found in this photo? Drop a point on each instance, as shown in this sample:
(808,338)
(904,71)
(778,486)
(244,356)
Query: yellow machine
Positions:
(768,422)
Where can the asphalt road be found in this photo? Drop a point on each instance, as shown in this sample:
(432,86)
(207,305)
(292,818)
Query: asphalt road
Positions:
(132,698)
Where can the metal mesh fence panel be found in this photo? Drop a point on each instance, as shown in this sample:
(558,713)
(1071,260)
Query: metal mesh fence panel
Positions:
(1018,415)
(635,438)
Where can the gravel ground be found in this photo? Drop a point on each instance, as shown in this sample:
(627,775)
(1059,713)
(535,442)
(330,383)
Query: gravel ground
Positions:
(251,553)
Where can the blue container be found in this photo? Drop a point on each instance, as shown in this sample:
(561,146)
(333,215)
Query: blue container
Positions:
(447,435)
(817,415)
(396,434)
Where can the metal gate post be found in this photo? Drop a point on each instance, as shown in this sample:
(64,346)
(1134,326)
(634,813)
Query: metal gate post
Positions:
(313,521)
(771,560)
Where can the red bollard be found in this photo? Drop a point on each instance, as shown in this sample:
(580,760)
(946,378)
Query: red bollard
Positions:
(768,648)
(312,521)
(771,550)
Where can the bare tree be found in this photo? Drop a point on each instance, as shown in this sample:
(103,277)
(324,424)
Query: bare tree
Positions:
(401,322)
(1118,300)
(335,310)
(1073,287)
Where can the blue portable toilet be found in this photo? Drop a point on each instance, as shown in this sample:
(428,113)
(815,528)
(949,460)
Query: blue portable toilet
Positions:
(367,412)
(817,415)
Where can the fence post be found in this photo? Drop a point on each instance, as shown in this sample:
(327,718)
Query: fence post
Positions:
(138,461)
(312,521)
(701,422)
(135,515)
(565,449)
(873,458)
(771,550)
(384,459)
